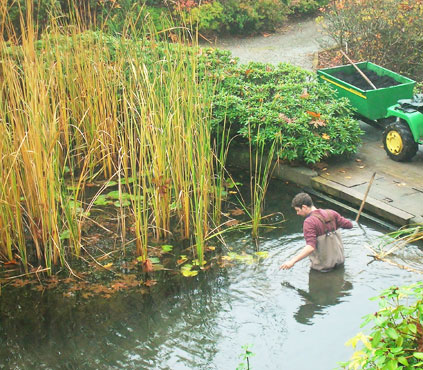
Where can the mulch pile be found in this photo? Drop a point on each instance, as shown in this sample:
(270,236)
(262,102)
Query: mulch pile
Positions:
(333,57)
(357,80)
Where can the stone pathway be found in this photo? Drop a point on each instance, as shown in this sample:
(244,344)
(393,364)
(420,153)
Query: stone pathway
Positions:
(296,43)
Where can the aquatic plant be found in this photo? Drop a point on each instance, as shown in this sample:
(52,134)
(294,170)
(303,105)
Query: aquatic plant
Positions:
(396,337)
(394,241)
(245,356)
(261,168)
(79,106)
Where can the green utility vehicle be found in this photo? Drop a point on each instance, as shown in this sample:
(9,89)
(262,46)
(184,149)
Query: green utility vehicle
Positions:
(391,104)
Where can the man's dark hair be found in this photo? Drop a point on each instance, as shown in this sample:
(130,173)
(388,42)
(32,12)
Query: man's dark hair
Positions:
(302,199)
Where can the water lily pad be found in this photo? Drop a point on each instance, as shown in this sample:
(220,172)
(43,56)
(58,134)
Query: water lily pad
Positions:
(111,183)
(129,180)
(115,194)
(154,260)
(196,262)
(262,254)
(187,272)
(167,248)
(102,200)
(123,203)
(158,267)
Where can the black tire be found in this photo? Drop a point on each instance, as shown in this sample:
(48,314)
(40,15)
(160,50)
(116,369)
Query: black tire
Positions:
(398,141)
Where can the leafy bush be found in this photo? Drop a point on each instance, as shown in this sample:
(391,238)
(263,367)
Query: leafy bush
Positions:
(306,6)
(386,32)
(236,16)
(282,102)
(209,17)
(396,338)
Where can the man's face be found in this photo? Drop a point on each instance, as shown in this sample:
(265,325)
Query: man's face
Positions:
(303,211)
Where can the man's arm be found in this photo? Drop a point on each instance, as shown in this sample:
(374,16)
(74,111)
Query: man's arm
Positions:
(342,221)
(305,252)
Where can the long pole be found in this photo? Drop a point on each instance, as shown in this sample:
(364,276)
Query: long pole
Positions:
(359,70)
(365,196)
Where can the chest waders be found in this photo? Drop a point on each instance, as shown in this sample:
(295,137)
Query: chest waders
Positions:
(329,251)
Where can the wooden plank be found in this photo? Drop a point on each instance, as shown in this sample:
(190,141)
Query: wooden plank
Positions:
(374,206)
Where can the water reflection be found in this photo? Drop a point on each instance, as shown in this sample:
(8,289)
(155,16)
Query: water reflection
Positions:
(324,289)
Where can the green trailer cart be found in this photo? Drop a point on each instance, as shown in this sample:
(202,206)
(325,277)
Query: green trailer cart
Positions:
(392,105)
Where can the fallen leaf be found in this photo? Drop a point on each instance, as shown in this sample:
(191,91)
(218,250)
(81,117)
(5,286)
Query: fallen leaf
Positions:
(236,212)
(18,283)
(358,160)
(147,266)
(325,136)
(150,283)
(118,286)
(231,222)
(108,265)
(266,34)
(284,118)
(313,114)
(182,259)
(305,94)
(361,167)
(11,262)
(248,71)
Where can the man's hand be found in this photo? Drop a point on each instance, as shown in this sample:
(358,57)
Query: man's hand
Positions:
(287,265)
(306,251)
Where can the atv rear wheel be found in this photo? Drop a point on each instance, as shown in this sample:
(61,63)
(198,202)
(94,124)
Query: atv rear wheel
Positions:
(398,141)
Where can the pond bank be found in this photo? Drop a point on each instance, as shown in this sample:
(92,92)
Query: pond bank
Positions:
(395,196)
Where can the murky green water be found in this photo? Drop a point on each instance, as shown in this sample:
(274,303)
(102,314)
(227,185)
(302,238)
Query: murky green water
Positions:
(294,320)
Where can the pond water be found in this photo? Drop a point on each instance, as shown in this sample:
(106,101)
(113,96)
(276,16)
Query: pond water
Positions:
(293,319)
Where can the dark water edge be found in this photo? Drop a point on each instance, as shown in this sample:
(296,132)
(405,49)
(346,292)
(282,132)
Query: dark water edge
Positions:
(202,322)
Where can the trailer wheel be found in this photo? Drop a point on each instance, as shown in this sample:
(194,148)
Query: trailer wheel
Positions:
(398,141)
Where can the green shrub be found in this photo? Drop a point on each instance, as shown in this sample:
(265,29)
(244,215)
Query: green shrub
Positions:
(396,338)
(209,17)
(386,32)
(283,102)
(301,7)
(246,16)
(235,16)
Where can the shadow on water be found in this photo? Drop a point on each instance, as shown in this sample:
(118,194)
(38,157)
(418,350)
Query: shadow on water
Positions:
(324,289)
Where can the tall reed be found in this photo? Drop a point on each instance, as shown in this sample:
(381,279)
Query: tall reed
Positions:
(261,161)
(83,105)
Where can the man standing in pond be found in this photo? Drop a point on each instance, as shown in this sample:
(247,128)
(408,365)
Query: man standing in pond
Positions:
(321,234)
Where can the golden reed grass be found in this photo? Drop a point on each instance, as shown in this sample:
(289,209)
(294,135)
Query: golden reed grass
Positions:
(73,109)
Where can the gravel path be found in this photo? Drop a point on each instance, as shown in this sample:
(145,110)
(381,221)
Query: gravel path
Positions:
(297,43)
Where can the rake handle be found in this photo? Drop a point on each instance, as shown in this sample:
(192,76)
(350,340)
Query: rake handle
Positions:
(359,71)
